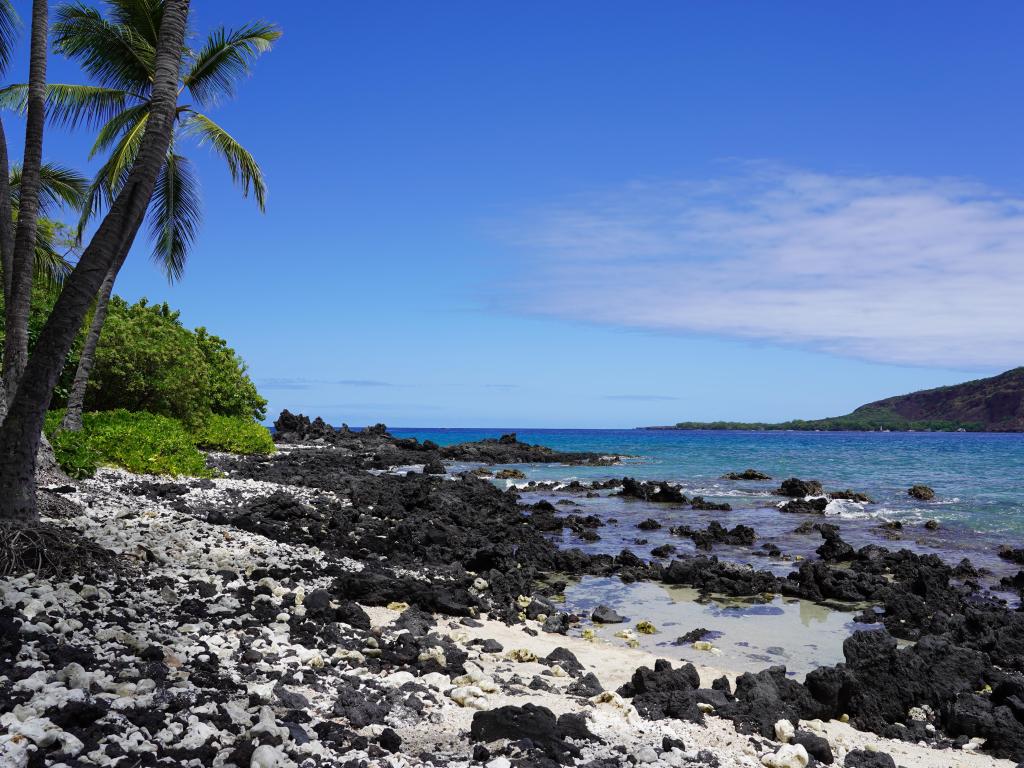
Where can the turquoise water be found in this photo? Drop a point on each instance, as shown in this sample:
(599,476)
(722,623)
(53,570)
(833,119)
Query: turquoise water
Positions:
(978,479)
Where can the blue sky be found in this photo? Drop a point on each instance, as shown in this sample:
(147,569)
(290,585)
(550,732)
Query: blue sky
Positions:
(601,214)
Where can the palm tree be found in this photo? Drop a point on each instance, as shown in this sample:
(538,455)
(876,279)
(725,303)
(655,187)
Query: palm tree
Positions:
(116,51)
(8,34)
(20,299)
(21,430)
(60,187)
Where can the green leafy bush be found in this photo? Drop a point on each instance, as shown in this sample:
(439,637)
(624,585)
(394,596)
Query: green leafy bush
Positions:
(147,360)
(74,454)
(149,443)
(234,435)
(139,442)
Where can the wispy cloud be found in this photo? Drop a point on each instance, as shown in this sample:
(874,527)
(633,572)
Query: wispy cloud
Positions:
(303,383)
(641,398)
(892,269)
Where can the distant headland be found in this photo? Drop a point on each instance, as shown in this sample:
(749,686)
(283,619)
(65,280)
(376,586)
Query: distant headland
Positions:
(995,404)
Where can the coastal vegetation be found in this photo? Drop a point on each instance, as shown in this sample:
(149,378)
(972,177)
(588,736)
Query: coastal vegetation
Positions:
(149,443)
(994,404)
(158,390)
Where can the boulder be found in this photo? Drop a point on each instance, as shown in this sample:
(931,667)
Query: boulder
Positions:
(860,758)
(747,474)
(794,487)
(921,493)
(605,615)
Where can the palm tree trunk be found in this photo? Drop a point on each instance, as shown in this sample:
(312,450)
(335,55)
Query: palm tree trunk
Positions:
(6,224)
(76,398)
(19,435)
(20,299)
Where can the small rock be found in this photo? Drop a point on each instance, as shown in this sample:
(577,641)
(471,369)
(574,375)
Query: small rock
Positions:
(789,756)
(921,493)
(605,615)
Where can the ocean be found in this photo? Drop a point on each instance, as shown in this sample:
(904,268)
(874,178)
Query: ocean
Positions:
(978,480)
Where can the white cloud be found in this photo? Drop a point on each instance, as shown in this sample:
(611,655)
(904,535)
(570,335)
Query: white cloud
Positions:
(892,269)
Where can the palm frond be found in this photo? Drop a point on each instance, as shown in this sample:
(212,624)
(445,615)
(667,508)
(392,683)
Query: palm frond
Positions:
(51,267)
(141,15)
(175,212)
(59,186)
(9,24)
(111,176)
(227,57)
(245,171)
(114,55)
(125,152)
(70,105)
(117,126)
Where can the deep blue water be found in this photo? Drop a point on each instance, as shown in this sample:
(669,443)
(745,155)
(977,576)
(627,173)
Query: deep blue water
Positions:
(978,479)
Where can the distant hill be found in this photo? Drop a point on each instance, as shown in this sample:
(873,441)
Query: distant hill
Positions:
(995,404)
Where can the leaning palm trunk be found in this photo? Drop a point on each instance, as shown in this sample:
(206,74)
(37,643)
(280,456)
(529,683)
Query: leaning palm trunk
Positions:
(76,398)
(19,300)
(6,226)
(20,434)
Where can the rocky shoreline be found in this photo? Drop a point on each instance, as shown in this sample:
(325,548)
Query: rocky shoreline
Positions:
(348,601)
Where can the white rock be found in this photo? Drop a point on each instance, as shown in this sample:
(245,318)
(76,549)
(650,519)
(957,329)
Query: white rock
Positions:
(789,756)
(266,756)
(784,731)
(646,754)
(469,696)
(398,679)
(268,725)
(436,680)
(500,762)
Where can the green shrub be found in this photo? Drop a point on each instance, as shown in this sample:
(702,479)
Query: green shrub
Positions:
(75,455)
(234,435)
(149,443)
(147,360)
(139,442)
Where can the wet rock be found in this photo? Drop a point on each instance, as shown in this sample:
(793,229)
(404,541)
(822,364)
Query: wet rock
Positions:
(650,524)
(921,493)
(851,495)
(797,488)
(716,533)
(434,467)
(1011,554)
(605,615)
(747,474)
(699,503)
(660,493)
(664,551)
(834,550)
(694,635)
(805,506)
(510,474)
(709,575)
